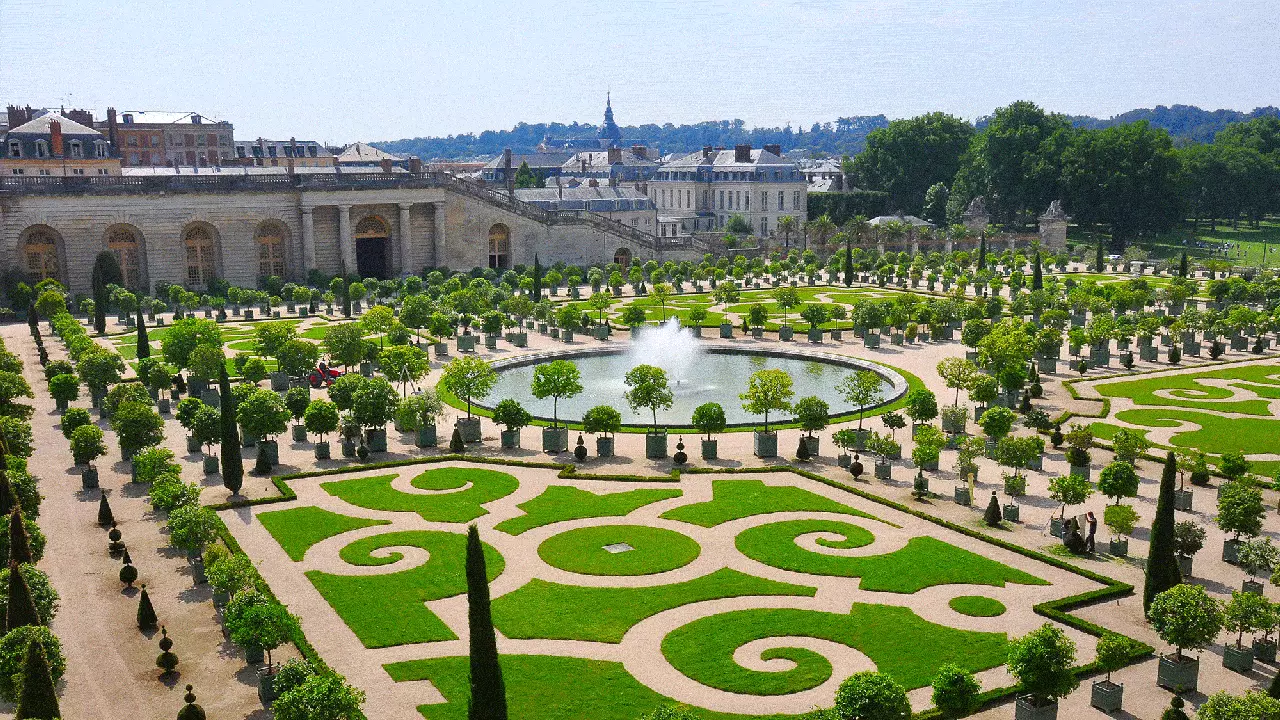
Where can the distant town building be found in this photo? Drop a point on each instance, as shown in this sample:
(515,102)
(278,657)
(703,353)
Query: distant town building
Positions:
(700,191)
(608,136)
(543,164)
(826,175)
(362,154)
(627,205)
(48,143)
(613,165)
(149,138)
(282,153)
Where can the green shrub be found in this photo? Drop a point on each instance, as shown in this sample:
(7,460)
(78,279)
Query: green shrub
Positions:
(87,444)
(74,418)
(13,649)
(1041,661)
(153,463)
(955,691)
(192,527)
(1186,617)
(871,696)
(46,598)
(168,492)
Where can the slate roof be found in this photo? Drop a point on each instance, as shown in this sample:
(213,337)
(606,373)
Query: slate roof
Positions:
(40,126)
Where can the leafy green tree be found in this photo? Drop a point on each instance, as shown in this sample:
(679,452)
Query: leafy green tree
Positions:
(468,378)
(647,388)
(1118,480)
(262,414)
(860,389)
(958,374)
(525,177)
(345,344)
(1240,508)
(323,696)
(709,418)
(871,696)
(910,157)
(296,358)
(768,390)
(1069,490)
(184,336)
(1015,162)
(955,691)
(1186,617)
(404,364)
(488,697)
(813,413)
(556,379)
(1041,661)
(374,403)
(321,417)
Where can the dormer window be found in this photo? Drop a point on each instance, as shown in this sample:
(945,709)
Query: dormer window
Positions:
(100,148)
(42,149)
(15,148)
(77,149)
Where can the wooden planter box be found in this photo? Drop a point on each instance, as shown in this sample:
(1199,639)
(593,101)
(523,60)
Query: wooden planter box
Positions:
(1106,696)
(1011,512)
(555,439)
(1264,650)
(710,449)
(1238,659)
(1178,677)
(469,429)
(510,439)
(1182,500)
(766,444)
(1023,709)
(604,446)
(655,445)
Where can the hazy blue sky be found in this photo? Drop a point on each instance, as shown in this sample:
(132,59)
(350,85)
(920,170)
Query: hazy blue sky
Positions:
(339,71)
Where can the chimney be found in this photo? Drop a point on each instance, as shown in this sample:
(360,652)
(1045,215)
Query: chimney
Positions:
(559,189)
(706,151)
(386,165)
(415,165)
(593,183)
(640,151)
(55,138)
(19,116)
(775,149)
(112,130)
(84,117)
(507,174)
(742,153)
(583,162)
(615,155)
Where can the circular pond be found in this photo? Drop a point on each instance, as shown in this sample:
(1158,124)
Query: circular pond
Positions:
(709,375)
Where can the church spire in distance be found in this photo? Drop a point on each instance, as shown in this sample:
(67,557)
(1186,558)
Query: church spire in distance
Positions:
(609,129)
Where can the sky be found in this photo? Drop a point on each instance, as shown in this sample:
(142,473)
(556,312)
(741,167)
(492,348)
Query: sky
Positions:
(339,71)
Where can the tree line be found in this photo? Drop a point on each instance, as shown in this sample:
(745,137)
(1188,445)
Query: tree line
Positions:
(1131,180)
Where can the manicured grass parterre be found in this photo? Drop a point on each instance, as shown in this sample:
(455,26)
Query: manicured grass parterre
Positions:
(547,688)
(458,493)
(1264,380)
(542,609)
(923,562)
(297,529)
(655,550)
(897,640)
(386,610)
(1216,434)
(565,502)
(977,606)
(736,499)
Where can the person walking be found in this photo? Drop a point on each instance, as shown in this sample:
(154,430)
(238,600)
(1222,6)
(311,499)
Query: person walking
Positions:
(1093,530)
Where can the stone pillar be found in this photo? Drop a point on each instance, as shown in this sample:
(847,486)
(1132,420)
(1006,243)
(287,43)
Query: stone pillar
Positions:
(950,244)
(1012,241)
(346,244)
(438,241)
(406,235)
(308,240)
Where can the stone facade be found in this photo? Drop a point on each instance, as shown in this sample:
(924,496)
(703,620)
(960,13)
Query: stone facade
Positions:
(1053,228)
(188,229)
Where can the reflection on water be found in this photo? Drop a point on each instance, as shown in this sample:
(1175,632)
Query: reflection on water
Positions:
(713,377)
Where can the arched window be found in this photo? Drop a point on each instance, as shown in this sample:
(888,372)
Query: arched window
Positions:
(499,247)
(40,248)
(123,241)
(270,238)
(622,256)
(371,227)
(201,255)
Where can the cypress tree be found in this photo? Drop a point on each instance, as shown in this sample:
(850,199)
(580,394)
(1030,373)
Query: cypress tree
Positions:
(537,278)
(19,542)
(37,699)
(1097,258)
(802,451)
(105,516)
(1037,275)
(488,693)
(22,608)
(106,271)
(456,446)
(7,499)
(1162,564)
(232,463)
(144,345)
(1182,265)
(992,515)
(146,612)
(982,252)
(848,263)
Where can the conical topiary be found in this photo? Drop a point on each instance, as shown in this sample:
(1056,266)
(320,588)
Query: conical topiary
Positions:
(128,573)
(992,515)
(232,463)
(166,661)
(22,608)
(190,711)
(580,450)
(1056,438)
(456,445)
(114,546)
(7,498)
(802,450)
(105,516)
(19,542)
(37,699)
(488,697)
(1162,570)
(144,343)
(146,613)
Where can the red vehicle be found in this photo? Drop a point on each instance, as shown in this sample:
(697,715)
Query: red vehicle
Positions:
(323,376)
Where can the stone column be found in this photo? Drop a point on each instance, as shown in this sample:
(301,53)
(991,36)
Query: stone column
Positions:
(308,240)
(346,244)
(406,235)
(438,243)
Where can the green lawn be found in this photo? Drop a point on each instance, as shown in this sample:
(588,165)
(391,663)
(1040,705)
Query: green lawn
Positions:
(735,499)
(386,610)
(1216,434)
(977,606)
(547,688)
(897,640)
(297,529)
(542,609)
(582,550)
(563,502)
(923,562)
(1107,431)
(463,505)
(1261,379)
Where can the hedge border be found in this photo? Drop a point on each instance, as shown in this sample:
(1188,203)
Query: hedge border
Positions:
(1057,610)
